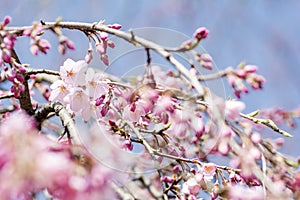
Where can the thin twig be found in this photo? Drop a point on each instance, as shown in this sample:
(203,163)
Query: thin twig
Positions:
(122,192)
(267,122)
(7,96)
(42,71)
(89,27)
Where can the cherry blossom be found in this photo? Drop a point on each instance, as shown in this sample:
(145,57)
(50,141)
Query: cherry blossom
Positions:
(73,72)
(233,109)
(97,136)
(59,91)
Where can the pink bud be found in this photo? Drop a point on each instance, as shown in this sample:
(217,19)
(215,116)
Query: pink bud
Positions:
(237,93)
(175,168)
(21,88)
(250,68)
(89,56)
(44,45)
(163,179)
(114,26)
(100,100)
(70,44)
(22,69)
(104,59)
(231,79)
(128,144)
(195,140)
(241,73)
(100,48)
(27,32)
(20,78)
(201,33)
(112,123)
(62,49)
(34,50)
(111,44)
(206,57)
(103,35)
(32,76)
(9,42)
(207,65)
(14,90)
(46,93)
(104,110)
(6,20)
(132,107)
(255,137)
(6,55)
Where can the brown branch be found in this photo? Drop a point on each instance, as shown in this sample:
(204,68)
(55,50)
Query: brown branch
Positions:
(7,96)
(24,98)
(42,71)
(88,27)
(64,115)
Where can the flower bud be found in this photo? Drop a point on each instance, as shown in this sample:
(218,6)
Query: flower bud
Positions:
(201,33)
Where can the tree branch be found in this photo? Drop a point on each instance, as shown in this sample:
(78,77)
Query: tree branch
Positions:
(88,27)
(64,115)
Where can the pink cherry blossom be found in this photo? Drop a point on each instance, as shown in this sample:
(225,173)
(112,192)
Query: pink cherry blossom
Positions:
(233,109)
(73,72)
(191,187)
(134,111)
(88,111)
(59,91)
(238,192)
(94,84)
(78,99)
(209,169)
(205,61)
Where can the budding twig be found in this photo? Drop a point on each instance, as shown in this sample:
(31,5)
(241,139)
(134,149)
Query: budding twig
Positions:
(267,122)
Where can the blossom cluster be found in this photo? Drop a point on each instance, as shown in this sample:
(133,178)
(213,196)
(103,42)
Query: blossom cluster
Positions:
(244,73)
(157,122)
(36,42)
(101,43)
(36,163)
(156,105)
(85,92)
(16,74)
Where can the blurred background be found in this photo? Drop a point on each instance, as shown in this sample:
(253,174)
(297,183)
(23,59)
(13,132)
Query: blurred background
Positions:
(263,33)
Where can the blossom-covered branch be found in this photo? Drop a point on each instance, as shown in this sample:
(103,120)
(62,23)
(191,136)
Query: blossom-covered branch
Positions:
(165,122)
